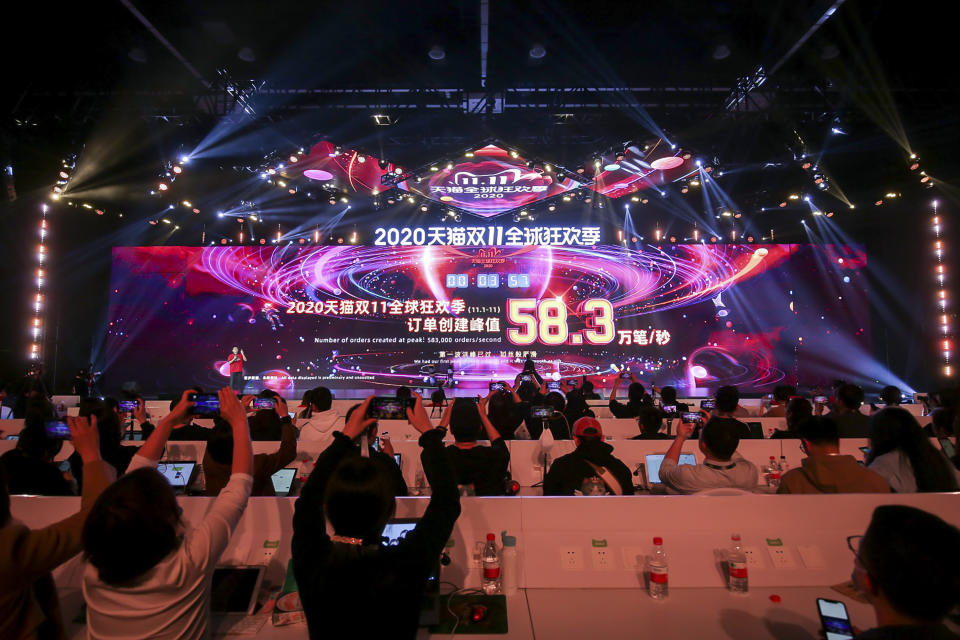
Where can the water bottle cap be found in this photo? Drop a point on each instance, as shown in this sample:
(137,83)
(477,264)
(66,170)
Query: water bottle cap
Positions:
(508,541)
(658,540)
(490,536)
(735,536)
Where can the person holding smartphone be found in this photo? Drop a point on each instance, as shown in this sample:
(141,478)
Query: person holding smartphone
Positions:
(235,359)
(722,467)
(482,467)
(637,397)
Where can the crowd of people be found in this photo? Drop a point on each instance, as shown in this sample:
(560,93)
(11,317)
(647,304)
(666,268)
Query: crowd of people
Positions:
(148,574)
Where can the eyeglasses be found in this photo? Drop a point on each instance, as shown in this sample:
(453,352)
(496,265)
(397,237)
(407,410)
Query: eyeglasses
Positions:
(853,543)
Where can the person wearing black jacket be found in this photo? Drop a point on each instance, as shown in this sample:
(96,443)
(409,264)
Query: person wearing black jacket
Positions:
(30,468)
(637,398)
(339,576)
(567,474)
(383,457)
(483,468)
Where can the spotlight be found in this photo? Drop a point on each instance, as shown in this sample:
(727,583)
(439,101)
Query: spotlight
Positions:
(177,169)
(383,164)
(580,169)
(424,208)
(537,52)
(294,159)
(333,200)
(620,155)
(468,154)
(184,159)
(162,186)
(187,204)
(782,205)
(694,183)
(437,53)
(361,158)
(64,175)
(806,165)
(611,167)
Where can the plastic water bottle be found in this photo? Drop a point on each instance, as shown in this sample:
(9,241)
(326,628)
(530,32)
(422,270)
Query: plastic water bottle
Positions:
(773,474)
(509,580)
(658,569)
(784,465)
(737,566)
(491,566)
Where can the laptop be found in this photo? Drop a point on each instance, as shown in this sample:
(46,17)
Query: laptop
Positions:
(179,473)
(395,531)
(654,460)
(234,592)
(283,481)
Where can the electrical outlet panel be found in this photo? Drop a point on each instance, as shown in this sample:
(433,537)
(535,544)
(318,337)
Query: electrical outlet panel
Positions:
(602,559)
(753,558)
(781,558)
(571,558)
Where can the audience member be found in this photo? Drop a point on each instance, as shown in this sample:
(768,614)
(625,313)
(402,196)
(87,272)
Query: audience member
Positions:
(727,405)
(341,575)
(556,421)
(650,421)
(901,453)
(797,410)
(845,410)
(267,424)
(505,412)
(6,410)
(317,419)
(577,407)
(722,466)
(146,576)
(906,565)
(825,470)
(891,396)
(30,468)
(218,459)
(187,431)
(383,458)
(29,605)
(668,398)
(576,473)
(589,392)
(112,449)
(781,396)
(637,398)
(483,468)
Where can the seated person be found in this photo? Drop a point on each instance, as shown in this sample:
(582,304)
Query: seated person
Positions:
(317,419)
(588,390)
(797,410)
(182,432)
(557,422)
(340,575)
(218,459)
(30,468)
(112,449)
(505,412)
(824,470)
(29,605)
(728,406)
(267,424)
(891,396)
(383,458)
(593,458)
(903,454)
(482,467)
(637,398)
(781,396)
(577,407)
(722,466)
(650,421)
(906,566)
(147,572)
(845,410)
(668,398)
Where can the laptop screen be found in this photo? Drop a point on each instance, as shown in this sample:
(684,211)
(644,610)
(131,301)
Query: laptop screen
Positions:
(178,474)
(654,460)
(283,480)
(234,589)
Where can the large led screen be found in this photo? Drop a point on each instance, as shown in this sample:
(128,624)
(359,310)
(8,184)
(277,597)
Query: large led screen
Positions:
(695,316)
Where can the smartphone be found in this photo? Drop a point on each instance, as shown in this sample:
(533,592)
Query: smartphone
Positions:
(553,385)
(399,459)
(526,377)
(58,430)
(264,403)
(947,447)
(572,383)
(128,406)
(541,411)
(625,375)
(865,450)
(389,408)
(12,436)
(669,408)
(834,619)
(497,386)
(691,416)
(376,444)
(708,403)
(206,405)
(820,400)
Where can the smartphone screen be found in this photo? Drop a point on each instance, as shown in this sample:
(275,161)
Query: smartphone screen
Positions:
(820,400)
(263,403)
(375,444)
(58,430)
(389,408)
(572,382)
(669,408)
(691,416)
(541,411)
(526,378)
(625,375)
(947,447)
(707,403)
(206,405)
(834,618)
(553,386)
(496,386)
(128,405)
(399,459)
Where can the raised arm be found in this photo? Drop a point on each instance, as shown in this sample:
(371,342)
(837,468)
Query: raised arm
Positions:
(152,449)
(492,433)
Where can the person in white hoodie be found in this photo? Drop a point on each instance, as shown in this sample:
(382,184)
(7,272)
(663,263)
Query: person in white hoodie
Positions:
(318,418)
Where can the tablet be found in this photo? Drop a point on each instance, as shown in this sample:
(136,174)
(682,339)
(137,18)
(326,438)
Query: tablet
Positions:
(179,474)
(654,460)
(283,481)
(234,590)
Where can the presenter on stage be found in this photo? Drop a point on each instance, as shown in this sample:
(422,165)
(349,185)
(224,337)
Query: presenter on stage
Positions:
(236,359)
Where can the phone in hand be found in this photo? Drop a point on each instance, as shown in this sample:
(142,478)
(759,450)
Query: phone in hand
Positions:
(572,383)
(553,385)
(128,406)
(669,408)
(389,408)
(834,619)
(497,386)
(691,416)
(206,405)
(526,377)
(708,403)
(57,430)
(264,403)
(398,459)
(625,375)
(820,400)
(541,411)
